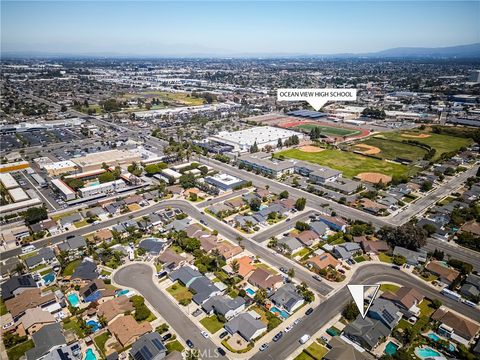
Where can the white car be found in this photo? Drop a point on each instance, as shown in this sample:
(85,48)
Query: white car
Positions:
(6,326)
(205,334)
(296,322)
(288,328)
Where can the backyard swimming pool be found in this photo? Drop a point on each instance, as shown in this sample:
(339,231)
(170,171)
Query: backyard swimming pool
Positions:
(250,292)
(426,352)
(49,278)
(90,355)
(436,338)
(391,348)
(73,300)
(94,324)
(282,313)
(123,292)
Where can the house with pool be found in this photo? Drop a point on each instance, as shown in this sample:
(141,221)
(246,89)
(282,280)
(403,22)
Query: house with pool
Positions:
(287,298)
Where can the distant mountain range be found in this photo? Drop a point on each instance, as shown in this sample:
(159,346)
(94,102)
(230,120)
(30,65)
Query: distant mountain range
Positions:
(470,51)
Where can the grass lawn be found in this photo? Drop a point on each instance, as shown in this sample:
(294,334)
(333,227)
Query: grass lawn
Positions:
(359,259)
(425,307)
(174,345)
(29,255)
(304,356)
(260,311)
(45,272)
(19,350)
(329,130)
(316,350)
(62,215)
(212,324)
(266,267)
(441,143)
(349,163)
(233,294)
(180,98)
(72,324)
(3,308)
(392,150)
(389,287)
(403,324)
(80,223)
(70,268)
(385,258)
(179,292)
(39,267)
(302,252)
(100,341)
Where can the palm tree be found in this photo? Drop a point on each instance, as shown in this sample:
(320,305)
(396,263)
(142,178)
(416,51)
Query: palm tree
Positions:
(235,265)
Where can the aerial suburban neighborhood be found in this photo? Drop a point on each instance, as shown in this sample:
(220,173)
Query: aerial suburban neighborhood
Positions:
(173,207)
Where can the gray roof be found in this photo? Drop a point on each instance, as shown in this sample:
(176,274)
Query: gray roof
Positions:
(178,225)
(319,227)
(385,311)
(148,347)
(17,282)
(152,245)
(278,208)
(203,289)
(63,353)
(87,270)
(341,350)
(223,304)
(44,254)
(244,324)
(469,290)
(45,339)
(292,243)
(74,243)
(474,280)
(70,219)
(185,274)
(366,331)
(286,297)
(413,257)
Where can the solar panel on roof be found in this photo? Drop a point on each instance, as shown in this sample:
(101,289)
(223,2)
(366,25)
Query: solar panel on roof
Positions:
(158,344)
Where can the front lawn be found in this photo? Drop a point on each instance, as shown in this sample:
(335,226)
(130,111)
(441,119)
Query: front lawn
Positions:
(80,224)
(71,323)
(100,341)
(316,350)
(359,259)
(389,287)
(212,324)
(385,258)
(180,293)
(70,268)
(425,307)
(19,350)
(174,345)
(3,308)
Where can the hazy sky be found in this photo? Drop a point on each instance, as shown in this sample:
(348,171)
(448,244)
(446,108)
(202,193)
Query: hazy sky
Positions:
(222,28)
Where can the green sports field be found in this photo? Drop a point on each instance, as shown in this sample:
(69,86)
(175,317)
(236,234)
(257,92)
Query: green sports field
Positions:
(349,163)
(328,130)
(441,143)
(393,150)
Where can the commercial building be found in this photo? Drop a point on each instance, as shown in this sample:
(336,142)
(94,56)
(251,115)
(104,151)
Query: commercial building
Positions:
(60,167)
(261,135)
(105,188)
(474,76)
(16,207)
(8,181)
(94,161)
(224,182)
(65,191)
(259,162)
(171,175)
(5,168)
(18,195)
(318,174)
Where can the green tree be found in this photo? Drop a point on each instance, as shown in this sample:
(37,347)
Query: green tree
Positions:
(284,194)
(300,204)
(350,311)
(35,215)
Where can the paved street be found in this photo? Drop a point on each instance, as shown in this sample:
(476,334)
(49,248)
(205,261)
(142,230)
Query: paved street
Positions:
(282,227)
(139,277)
(455,251)
(367,274)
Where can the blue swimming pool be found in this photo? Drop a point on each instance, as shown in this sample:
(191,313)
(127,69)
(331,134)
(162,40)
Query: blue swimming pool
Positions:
(73,300)
(250,292)
(90,355)
(49,278)
(426,352)
(282,313)
(391,348)
(94,324)
(436,338)
(123,292)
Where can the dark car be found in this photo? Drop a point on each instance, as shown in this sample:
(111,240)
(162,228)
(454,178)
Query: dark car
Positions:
(316,277)
(221,351)
(396,267)
(278,336)
(166,336)
(309,311)
(282,269)
(190,344)
(223,334)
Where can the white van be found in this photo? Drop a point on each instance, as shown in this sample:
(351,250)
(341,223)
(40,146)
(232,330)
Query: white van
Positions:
(304,339)
(28,249)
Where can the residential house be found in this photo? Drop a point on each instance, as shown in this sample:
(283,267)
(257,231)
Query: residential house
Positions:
(228,250)
(96,290)
(386,312)
(67,222)
(290,243)
(224,305)
(171,260)
(28,299)
(152,246)
(178,225)
(406,299)
(85,272)
(148,347)
(334,223)
(374,247)
(455,327)
(44,256)
(471,287)
(471,227)
(103,235)
(287,298)
(73,244)
(64,352)
(366,332)
(246,326)
(126,330)
(307,237)
(194,280)
(48,338)
(319,228)
(445,274)
(265,279)
(16,285)
(219,209)
(346,250)
(235,203)
(341,350)
(245,267)
(114,308)
(34,319)
(323,261)
(413,257)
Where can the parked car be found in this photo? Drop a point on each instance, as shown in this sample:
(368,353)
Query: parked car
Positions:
(166,336)
(263,347)
(278,336)
(288,328)
(316,277)
(223,334)
(304,339)
(190,344)
(296,322)
(221,351)
(204,334)
(395,267)
(282,269)
(309,311)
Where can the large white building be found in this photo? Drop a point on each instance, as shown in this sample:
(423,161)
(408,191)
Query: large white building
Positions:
(65,191)
(105,188)
(263,135)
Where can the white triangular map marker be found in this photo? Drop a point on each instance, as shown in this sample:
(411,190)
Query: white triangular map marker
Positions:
(358,295)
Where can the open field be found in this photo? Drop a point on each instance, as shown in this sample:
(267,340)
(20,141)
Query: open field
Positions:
(329,130)
(441,143)
(179,98)
(349,163)
(393,150)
